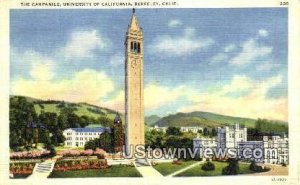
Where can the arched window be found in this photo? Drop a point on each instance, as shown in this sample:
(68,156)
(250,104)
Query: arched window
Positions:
(135,47)
(139,47)
(131,46)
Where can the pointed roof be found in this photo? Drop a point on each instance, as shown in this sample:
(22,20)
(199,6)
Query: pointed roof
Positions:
(117,119)
(134,22)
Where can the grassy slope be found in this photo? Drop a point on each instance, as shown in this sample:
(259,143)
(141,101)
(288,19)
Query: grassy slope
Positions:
(113,171)
(82,109)
(197,171)
(204,119)
(168,168)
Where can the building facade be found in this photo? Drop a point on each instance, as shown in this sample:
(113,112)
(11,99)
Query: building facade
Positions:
(134,85)
(229,137)
(77,137)
(270,148)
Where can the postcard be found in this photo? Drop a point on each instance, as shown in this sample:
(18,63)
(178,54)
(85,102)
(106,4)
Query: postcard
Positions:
(132,92)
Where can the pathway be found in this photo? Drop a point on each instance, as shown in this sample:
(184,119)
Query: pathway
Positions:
(145,168)
(44,169)
(275,170)
(184,169)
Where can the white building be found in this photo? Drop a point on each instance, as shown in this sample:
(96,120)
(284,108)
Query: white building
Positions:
(253,146)
(204,142)
(157,128)
(77,137)
(229,137)
(269,148)
(281,152)
(194,129)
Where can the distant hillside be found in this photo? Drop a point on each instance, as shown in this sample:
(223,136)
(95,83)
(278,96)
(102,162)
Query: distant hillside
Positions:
(80,108)
(151,120)
(204,119)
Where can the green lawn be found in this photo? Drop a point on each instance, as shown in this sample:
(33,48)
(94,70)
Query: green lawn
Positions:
(197,171)
(113,171)
(62,148)
(168,168)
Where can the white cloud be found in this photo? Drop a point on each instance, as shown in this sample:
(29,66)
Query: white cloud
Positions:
(42,71)
(117,59)
(185,44)
(157,96)
(174,23)
(82,44)
(117,102)
(220,57)
(263,33)
(251,51)
(224,55)
(238,83)
(87,85)
(229,48)
(254,104)
(267,66)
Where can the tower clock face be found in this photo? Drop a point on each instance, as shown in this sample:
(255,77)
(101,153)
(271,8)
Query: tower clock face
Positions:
(134,63)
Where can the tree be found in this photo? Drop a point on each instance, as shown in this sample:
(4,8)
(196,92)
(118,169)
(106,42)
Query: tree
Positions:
(155,139)
(106,142)
(213,132)
(205,131)
(105,121)
(92,144)
(21,113)
(232,168)
(175,131)
(208,166)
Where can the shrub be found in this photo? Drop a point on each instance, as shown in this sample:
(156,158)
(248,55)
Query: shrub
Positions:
(208,166)
(283,164)
(257,168)
(232,168)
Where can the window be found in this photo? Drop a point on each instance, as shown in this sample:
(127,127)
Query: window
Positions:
(77,138)
(95,133)
(85,133)
(90,133)
(81,138)
(139,48)
(135,47)
(76,133)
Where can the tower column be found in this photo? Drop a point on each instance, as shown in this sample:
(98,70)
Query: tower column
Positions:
(134,87)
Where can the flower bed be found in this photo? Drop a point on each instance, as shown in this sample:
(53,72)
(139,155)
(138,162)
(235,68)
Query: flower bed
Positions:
(100,153)
(21,168)
(65,165)
(30,155)
(178,162)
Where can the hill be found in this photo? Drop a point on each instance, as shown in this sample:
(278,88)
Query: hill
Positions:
(80,108)
(151,120)
(203,119)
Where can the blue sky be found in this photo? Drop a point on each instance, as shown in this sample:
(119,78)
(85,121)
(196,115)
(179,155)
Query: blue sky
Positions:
(228,61)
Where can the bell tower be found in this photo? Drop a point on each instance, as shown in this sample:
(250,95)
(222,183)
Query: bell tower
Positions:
(134,86)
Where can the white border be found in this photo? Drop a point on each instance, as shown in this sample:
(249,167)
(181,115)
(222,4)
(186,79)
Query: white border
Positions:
(293,95)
